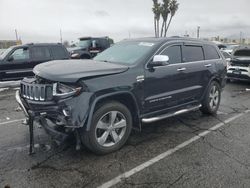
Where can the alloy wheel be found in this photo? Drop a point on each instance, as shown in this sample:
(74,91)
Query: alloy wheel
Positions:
(214,97)
(110,129)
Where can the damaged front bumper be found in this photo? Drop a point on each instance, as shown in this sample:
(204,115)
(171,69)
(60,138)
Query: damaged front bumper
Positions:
(59,118)
(40,117)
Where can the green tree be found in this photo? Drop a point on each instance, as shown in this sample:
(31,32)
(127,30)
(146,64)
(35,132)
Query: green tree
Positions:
(173,7)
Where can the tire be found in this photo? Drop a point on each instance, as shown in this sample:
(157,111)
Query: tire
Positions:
(211,101)
(110,128)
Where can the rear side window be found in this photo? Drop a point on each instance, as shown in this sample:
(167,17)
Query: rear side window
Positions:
(211,52)
(192,53)
(40,52)
(174,54)
(58,52)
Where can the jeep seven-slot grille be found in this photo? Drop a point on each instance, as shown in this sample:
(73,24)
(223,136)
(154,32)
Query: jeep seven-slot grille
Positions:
(37,92)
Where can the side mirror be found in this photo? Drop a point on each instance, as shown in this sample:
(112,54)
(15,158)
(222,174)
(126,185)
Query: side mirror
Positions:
(159,60)
(10,58)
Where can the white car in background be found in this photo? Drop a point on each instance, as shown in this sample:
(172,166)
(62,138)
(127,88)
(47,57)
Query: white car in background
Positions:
(239,66)
(227,57)
(230,48)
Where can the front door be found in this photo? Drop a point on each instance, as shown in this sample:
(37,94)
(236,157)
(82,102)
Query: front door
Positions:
(177,84)
(16,65)
(161,83)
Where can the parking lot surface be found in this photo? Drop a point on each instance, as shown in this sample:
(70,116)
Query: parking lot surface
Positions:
(219,158)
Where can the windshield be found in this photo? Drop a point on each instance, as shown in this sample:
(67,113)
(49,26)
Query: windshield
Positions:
(5,53)
(125,52)
(84,43)
(231,47)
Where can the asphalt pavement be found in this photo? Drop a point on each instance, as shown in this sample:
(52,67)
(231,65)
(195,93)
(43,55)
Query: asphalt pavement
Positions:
(191,150)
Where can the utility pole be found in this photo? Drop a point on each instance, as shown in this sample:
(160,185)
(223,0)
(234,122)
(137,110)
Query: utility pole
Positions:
(61,36)
(240,37)
(16,35)
(198,32)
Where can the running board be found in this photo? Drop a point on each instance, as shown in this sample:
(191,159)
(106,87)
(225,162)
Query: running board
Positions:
(153,119)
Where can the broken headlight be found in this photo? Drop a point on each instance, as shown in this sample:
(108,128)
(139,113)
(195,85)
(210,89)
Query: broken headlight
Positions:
(64,91)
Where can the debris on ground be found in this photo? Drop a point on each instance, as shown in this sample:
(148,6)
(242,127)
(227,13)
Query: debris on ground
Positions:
(18,109)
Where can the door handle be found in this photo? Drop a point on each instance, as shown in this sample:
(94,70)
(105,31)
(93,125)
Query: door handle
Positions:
(181,69)
(208,65)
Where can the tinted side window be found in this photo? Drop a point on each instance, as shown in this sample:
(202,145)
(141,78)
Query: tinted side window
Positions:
(20,54)
(211,52)
(174,54)
(40,52)
(58,52)
(192,53)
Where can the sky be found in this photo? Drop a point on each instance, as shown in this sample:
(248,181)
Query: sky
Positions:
(42,20)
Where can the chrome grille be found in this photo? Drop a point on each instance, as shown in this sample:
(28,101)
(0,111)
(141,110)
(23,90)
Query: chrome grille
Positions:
(37,92)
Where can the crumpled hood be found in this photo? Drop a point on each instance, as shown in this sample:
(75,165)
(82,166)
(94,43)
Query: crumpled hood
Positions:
(241,60)
(73,70)
(246,58)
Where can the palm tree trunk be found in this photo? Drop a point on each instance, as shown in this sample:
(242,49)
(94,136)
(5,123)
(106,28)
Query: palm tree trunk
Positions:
(166,30)
(162,26)
(155,27)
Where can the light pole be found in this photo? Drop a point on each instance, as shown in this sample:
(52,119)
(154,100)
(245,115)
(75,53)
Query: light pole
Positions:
(61,36)
(198,32)
(16,35)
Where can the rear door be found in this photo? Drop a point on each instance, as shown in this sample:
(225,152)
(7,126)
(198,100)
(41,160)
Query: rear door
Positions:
(212,57)
(194,74)
(39,54)
(16,65)
(59,52)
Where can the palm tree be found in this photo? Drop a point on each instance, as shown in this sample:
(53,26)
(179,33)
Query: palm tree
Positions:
(154,11)
(164,13)
(157,14)
(173,7)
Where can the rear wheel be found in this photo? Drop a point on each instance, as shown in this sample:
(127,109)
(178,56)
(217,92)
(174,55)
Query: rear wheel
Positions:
(110,128)
(211,101)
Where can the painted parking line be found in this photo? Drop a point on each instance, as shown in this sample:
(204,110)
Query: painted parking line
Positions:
(8,95)
(156,159)
(9,122)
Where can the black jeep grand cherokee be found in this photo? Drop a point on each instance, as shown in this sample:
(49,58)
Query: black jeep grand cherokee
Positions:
(133,82)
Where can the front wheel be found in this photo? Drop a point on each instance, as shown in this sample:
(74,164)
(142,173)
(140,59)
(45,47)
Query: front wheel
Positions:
(110,128)
(211,101)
